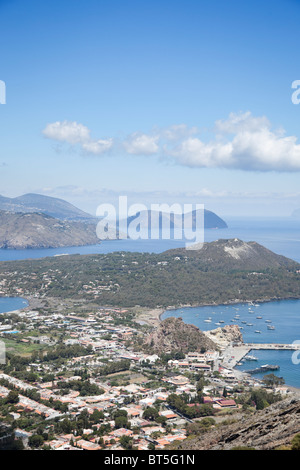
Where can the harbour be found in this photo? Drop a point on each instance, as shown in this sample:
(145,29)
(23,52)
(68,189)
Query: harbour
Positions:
(276,344)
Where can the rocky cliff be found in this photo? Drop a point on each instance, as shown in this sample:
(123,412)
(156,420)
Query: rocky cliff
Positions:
(173,334)
(224,335)
(268,429)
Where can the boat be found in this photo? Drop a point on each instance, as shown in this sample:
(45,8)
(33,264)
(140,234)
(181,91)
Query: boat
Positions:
(257,331)
(270,327)
(250,358)
(244,321)
(268,321)
(249,324)
(207,321)
(221,321)
(259,318)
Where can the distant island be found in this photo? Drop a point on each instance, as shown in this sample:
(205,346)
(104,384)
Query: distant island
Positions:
(38,221)
(52,206)
(38,230)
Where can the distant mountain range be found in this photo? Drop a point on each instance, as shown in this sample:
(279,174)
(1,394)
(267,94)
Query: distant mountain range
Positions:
(63,210)
(38,221)
(51,206)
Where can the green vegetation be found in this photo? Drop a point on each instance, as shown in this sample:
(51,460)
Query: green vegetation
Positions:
(182,404)
(171,278)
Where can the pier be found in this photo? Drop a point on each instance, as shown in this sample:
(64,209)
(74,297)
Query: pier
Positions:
(260,369)
(232,355)
(289,347)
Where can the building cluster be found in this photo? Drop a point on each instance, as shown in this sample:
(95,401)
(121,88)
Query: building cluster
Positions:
(109,341)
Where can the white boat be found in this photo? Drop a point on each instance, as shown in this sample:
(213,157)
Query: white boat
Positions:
(207,321)
(271,327)
(257,331)
(250,358)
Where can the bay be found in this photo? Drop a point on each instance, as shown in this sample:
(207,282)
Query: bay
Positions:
(9,304)
(283,315)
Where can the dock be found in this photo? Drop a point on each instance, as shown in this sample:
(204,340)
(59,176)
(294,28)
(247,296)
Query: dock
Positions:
(260,369)
(275,346)
(234,354)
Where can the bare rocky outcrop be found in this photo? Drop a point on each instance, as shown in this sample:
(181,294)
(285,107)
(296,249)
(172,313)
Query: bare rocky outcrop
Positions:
(173,334)
(268,429)
(224,335)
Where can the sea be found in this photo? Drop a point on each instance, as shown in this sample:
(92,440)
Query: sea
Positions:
(279,234)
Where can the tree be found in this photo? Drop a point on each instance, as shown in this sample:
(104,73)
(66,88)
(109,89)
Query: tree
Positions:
(12,397)
(121,422)
(36,441)
(272,380)
(126,442)
(296,442)
(150,413)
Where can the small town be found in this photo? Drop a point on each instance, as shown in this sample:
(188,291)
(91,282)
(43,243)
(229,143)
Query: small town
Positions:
(87,382)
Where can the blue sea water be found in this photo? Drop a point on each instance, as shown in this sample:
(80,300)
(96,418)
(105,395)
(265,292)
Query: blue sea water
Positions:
(9,304)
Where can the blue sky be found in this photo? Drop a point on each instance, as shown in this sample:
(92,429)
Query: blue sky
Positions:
(177,101)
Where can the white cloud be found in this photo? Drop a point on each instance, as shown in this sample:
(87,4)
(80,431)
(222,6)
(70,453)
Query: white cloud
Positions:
(242,141)
(141,144)
(254,146)
(97,147)
(74,133)
(70,132)
(240,122)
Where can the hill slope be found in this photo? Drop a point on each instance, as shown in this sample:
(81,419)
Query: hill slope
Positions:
(51,206)
(211,220)
(21,231)
(234,254)
(176,277)
(268,429)
(174,335)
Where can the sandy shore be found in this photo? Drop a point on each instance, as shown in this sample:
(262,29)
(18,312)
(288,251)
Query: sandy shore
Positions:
(150,317)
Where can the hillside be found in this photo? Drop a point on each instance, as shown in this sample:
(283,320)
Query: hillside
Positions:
(54,207)
(234,254)
(173,335)
(211,220)
(268,429)
(20,231)
(177,277)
